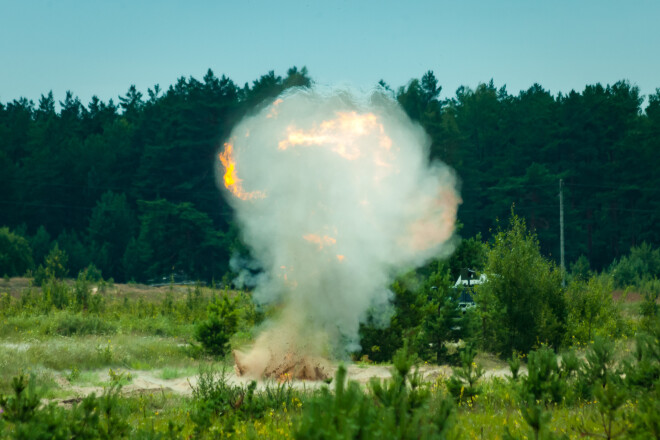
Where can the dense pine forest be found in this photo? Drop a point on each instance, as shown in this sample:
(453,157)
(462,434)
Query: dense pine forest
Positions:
(130,186)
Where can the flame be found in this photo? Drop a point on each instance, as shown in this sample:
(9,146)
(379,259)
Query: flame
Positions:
(341,134)
(320,241)
(273,109)
(232,182)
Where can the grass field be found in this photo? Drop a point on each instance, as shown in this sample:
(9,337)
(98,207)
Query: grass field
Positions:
(132,348)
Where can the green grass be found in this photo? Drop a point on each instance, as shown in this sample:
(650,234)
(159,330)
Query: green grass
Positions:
(135,328)
(62,354)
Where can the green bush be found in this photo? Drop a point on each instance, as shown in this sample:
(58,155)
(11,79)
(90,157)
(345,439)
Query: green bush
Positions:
(216,331)
(93,418)
(591,310)
(543,383)
(15,254)
(464,382)
(442,321)
(55,266)
(522,303)
(642,264)
(56,294)
(598,367)
(398,408)
(426,313)
(580,269)
(213,397)
(69,324)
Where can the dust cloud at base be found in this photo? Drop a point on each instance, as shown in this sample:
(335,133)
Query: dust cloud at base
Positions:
(334,195)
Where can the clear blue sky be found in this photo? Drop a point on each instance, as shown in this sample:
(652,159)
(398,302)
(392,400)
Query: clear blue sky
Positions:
(102,47)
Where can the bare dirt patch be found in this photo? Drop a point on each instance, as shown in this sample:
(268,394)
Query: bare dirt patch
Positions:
(282,368)
(149,382)
(629,297)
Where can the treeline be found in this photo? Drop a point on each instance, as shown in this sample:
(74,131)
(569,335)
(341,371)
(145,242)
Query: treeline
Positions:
(514,149)
(522,305)
(131,186)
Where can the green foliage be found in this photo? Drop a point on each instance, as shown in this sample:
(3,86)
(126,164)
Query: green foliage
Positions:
(514,366)
(346,414)
(40,243)
(21,406)
(537,418)
(215,400)
(522,304)
(642,264)
(471,253)
(544,382)
(111,226)
(379,340)
(426,312)
(102,158)
(464,382)
(399,408)
(76,250)
(55,266)
(598,368)
(642,369)
(580,268)
(68,324)
(600,377)
(611,391)
(15,253)
(646,419)
(591,310)
(91,273)
(213,397)
(93,418)
(165,226)
(442,322)
(215,333)
(55,294)
(649,309)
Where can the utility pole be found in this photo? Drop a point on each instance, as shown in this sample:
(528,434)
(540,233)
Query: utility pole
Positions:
(561,231)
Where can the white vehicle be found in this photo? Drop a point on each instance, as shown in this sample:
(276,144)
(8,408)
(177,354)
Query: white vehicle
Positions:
(464,286)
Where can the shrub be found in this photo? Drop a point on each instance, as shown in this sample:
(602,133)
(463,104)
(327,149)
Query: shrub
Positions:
(92,418)
(15,253)
(68,324)
(598,368)
(443,321)
(591,310)
(543,382)
(56,263)
(56,294)
(398,408)
(55,266)
(643,263)
(463,384)
(215,333)
(642,369)
(580,269)
(522,302)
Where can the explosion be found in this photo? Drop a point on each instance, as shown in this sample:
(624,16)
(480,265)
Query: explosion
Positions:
(334,194)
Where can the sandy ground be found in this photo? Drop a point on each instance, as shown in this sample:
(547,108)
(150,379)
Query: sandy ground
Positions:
(149,382)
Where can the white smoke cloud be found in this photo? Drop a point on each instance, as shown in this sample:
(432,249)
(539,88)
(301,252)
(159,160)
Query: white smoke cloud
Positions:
(334,195)
(248,272)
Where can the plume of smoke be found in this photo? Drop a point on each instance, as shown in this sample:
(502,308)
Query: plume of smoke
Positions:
(334,194)
(248,272)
